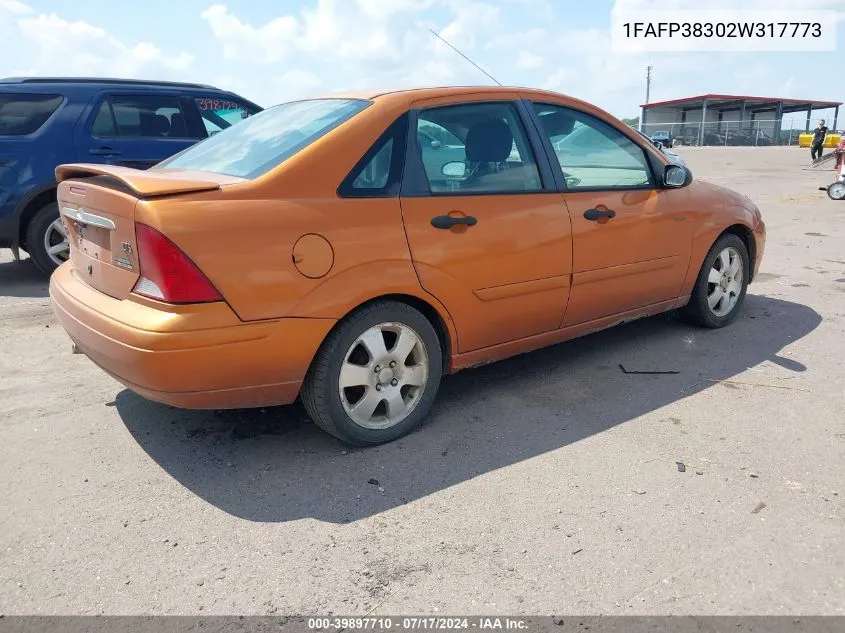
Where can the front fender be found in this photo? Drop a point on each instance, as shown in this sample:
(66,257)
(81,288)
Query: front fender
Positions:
(708,229)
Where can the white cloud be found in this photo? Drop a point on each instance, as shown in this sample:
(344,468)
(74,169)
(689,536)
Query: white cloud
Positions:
(360,31)
(268,43)
(528,61)
(365,43)
(14,7)
(60,47)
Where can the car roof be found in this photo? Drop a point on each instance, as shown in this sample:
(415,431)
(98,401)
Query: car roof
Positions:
(409,95)
(101,81)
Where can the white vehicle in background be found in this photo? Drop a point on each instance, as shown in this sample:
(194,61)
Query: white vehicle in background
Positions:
(672,156)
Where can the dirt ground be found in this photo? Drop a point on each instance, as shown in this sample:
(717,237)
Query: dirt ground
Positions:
(544,484)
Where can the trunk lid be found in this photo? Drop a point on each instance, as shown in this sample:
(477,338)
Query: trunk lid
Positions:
(97,206)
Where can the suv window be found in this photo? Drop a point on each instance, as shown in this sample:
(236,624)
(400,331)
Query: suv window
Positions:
(145,116)
(25,113)
(218,114)
(493,157)
(592,153)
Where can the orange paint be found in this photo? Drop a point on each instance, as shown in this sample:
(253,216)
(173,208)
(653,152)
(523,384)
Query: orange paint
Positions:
(291,258)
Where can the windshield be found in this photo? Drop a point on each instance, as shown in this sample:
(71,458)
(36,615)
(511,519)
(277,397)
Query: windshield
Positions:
(261,142)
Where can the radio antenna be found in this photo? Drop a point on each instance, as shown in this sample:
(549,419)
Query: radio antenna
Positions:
(433,32)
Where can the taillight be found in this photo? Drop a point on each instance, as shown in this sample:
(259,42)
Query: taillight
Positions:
(167,274)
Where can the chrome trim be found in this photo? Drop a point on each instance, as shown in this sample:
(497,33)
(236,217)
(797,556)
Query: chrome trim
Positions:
(83,217)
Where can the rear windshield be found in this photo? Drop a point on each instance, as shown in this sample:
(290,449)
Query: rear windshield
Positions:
(25,113)
(257,144)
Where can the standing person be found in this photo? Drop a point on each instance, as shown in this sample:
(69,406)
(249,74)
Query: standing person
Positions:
(818,141)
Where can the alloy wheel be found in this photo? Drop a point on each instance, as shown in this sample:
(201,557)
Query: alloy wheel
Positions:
(383,375)
(724,283)
(56,242)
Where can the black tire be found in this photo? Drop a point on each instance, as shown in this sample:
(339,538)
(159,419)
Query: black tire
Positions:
(35,232)
(321,392)
(698,310)
(836,191)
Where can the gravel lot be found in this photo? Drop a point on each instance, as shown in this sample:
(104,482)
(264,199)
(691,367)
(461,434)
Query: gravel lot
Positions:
(544,484)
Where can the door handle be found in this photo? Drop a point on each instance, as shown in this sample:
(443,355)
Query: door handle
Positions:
(447,221)
(595,214)
(104,151)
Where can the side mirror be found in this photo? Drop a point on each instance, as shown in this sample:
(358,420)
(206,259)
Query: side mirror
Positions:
(657,144)
(435,144)
(675,176)
(454,169)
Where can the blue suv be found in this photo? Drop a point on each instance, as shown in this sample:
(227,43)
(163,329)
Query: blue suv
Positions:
(45,122)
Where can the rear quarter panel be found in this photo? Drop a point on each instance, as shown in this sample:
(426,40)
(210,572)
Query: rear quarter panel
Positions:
(246,249)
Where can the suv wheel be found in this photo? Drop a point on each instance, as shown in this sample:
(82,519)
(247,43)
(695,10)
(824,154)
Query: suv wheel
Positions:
(46,239)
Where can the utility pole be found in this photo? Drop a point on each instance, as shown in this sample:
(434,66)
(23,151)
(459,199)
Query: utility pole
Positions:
(648,70)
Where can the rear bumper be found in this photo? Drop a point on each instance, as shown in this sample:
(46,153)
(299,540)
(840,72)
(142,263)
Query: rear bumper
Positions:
(197,356)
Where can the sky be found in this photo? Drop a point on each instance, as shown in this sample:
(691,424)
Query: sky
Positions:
(274,50)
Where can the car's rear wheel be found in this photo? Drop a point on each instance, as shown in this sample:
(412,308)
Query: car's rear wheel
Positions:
(376,376)
(721,285)
(46,239)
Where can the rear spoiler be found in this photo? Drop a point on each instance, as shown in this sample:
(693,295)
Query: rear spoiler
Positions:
(158,182)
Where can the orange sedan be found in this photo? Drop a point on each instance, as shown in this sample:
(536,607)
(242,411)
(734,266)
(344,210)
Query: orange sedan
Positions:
(354,249)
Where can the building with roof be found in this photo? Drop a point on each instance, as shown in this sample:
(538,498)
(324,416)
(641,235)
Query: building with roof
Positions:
(715,118)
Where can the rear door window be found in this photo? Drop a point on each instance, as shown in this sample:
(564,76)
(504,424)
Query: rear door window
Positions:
(22,114)
(218,114)
(140,116)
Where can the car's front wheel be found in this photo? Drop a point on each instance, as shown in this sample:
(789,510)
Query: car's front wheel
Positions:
(46,239)
(376,376)
(721,285)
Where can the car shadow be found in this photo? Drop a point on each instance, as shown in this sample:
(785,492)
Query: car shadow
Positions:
(274,465)
(22,279)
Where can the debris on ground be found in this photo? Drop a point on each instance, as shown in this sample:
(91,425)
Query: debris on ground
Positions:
(753,476)
(681,467)
(699,472)
(373,482)
(759,507)
(653,373)
(746,384)
(578,551)
(638,492)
